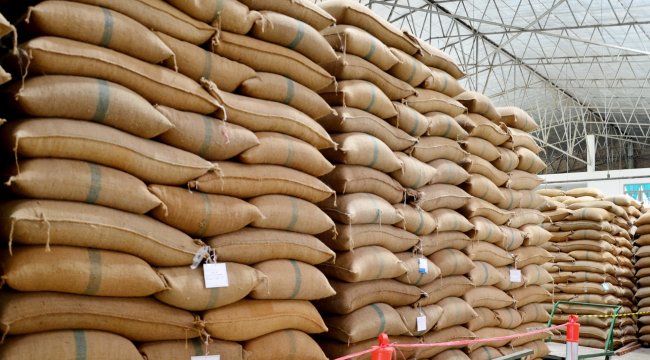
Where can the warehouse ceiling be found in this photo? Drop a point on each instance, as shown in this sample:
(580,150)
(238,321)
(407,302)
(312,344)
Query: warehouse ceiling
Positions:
(578,66)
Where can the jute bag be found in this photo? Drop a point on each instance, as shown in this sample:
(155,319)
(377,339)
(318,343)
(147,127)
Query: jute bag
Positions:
(352,40)
(346,179)
(363,264)
(443,82)
(291,280)
(443,288)
(283,212)
(479,104)
(408,69)
(426,101)
(413,276)
(302,10)
(349,237)
(359,94)
(361,208)
(363,149)
(409,315)
(365,323)
(284,344)
(437,58)
(181,349)
(441,124)
(416,221)
(409,120)
(227,15)
(414,173)
(517,118)
(353,296)
(431,148)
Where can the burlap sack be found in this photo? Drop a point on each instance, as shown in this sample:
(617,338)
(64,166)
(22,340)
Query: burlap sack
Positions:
(443,240)
(598,256)
(478,207)
(202,215)
(413,275)
(79,271)
(285,150)
(431,148)
(489,297)
(4,76)
(437,196)
(59,56)
(452,262)
(282,212)
(438,59)
(451,354)
(409,315)
(363,149)
(98,26)
(352,13)
(588,234)
(278,88)
(589,245)
(530,200)
(243,246)
(352,67)
(441,124)
(509,318)
(138,319)
(527,255)
(365,323)
(414,174)
(480,147)
(530,294)
(521,217)
(536,275)
(352,40)
(587,287)
(529,161)
(454,333)
(228,15)
(557,215)
(346,179)
(455,311)
(522,139)
(486,129)
(585,265)
(533,313)
(353,296)
(187,287)
(484,274)
(363,264)
(361,208)
(160,16)
(197,63)
(490,332)
(448,172)
(5,27)
(72,180)
(450,220)
(248,319)
(284,344)
(440,81)
(46,222)
(172,350)
(443,288)
(507,161)
(486,230)
(479,104)
(263,115)
(426,101)
(299,9)
(210,138)
(483,188)
(486,318)
(68,344)
(409,120)
(87,99)
(289,280)
(246,181)
(517,118)
(294,34)
(350,119)
(348,237)
(490,253)
(512,239)
(521,180)
(483,167)
(409,69)
(416,221)
(268,57)
(335,349)
(359,94)
(591,214)
(528,327)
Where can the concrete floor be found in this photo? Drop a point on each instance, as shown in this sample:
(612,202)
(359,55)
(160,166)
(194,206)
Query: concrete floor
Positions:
(639,354)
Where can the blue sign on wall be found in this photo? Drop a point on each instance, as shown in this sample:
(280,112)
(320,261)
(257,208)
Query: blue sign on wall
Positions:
(640,192)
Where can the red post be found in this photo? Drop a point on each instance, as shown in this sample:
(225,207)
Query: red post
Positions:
(572,338)
(383,351)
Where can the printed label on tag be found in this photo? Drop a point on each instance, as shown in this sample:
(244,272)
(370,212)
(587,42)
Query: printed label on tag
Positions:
(605,286)
(515,275)
(423,266)
(421,323)
(215,275)
(207,357)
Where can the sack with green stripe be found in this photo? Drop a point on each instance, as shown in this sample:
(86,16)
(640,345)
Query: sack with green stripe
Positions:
(441,124)
(479,104)
(98,26)
(416,221)
(448,172)
(361,208)
(455,311)
(291,280)
(365,323)
(442,82)
(480,147)
(182,349)
(414,274)
(507,161)
(353,40)
(289,213)
(205,136)
(284,344)
(409,69)
(227,15)
(352,296)
(483,188)
(302,10)
(488,130)
(84,98)
(346,179)
(364,263)
(529,161)
(365,150)
(198,63)
(414,174)
(426,101)
(278,88)
(187,287)
(294,34)
(431,148)
(72,180)
(359,94)
(348,237)
(452,262)
(202,215)
(69,344)
(79,270)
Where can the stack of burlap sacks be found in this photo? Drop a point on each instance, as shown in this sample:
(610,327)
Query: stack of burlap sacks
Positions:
(435,204)
(642,265)
(592,250)
(123,160)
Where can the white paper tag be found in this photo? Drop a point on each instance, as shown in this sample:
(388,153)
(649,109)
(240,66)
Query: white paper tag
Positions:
(423,267)
(207,357)
(215,275)
(605,286)
(421,323)
(515,275)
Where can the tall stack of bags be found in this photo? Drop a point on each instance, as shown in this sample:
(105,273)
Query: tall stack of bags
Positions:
(108,135)
(642,264)
(592,248)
